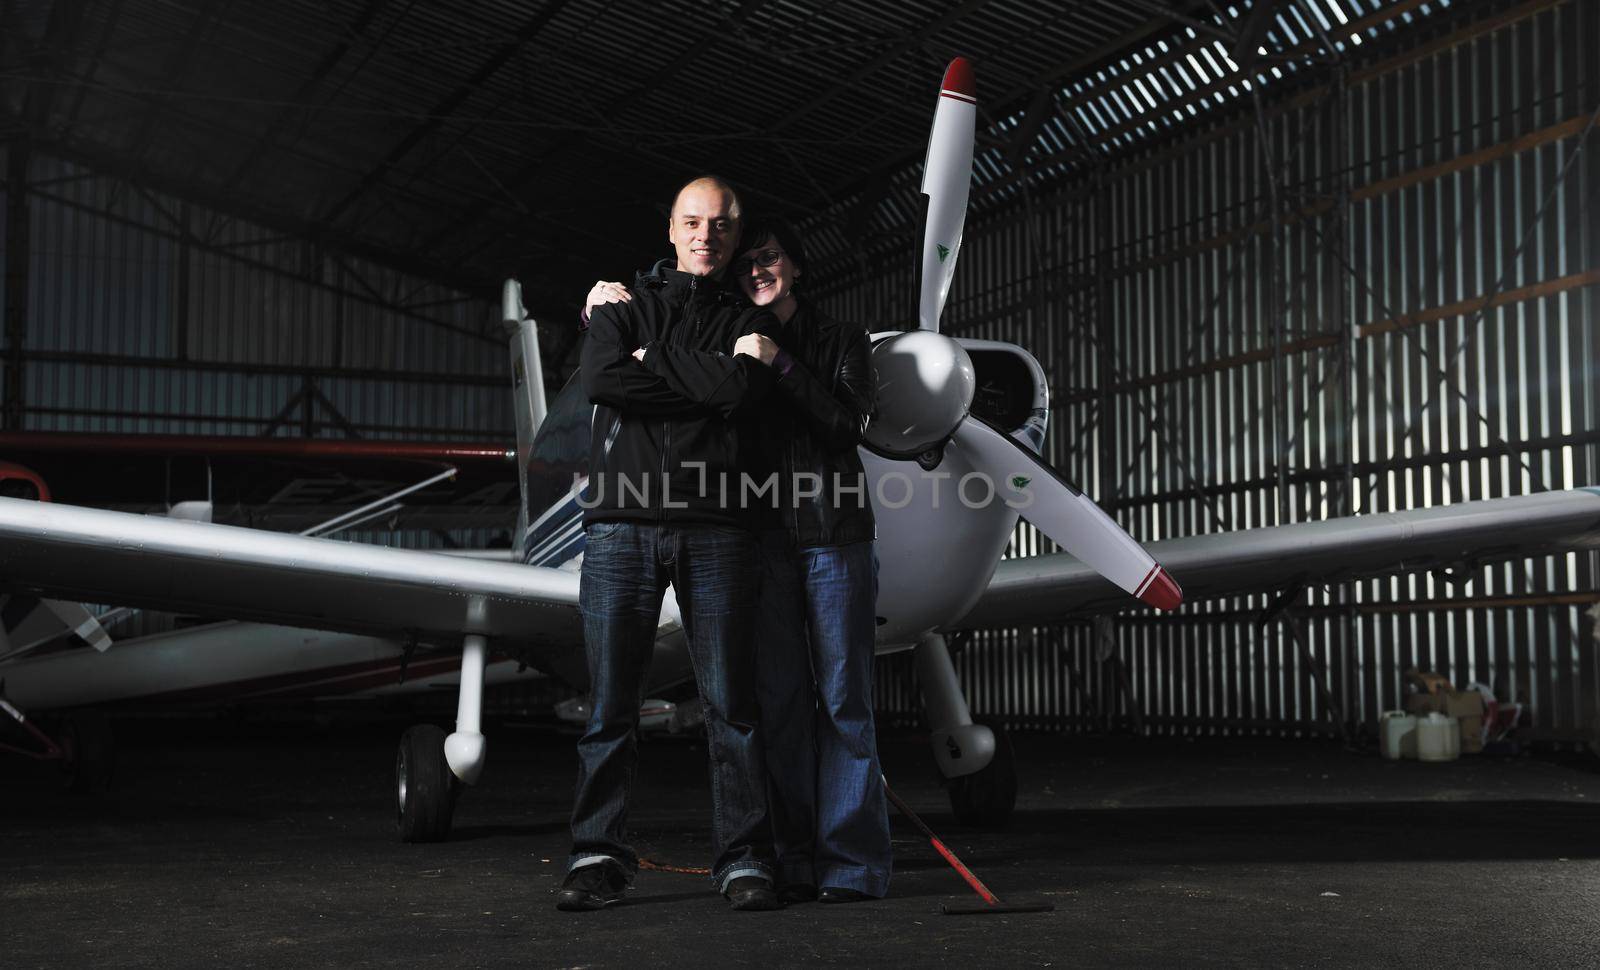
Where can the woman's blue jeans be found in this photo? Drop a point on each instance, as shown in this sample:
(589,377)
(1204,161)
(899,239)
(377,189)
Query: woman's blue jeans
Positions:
(814,660)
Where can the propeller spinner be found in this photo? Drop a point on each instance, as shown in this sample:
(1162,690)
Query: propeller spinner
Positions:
(926,381)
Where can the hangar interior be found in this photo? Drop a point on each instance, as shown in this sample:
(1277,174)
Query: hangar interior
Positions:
(1281,261)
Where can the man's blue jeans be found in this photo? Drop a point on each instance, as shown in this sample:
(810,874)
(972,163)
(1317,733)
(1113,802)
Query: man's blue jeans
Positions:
(714,571)
(814,660)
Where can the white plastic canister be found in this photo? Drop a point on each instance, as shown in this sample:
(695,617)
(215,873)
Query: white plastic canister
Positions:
(1438,738)
(1399,735)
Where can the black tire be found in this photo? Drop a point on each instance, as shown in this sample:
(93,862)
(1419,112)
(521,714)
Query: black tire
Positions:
(88,757)
(425,790)
(986,798)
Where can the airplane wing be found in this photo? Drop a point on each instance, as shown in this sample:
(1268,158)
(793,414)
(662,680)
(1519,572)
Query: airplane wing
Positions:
(97,556)
(1045,589)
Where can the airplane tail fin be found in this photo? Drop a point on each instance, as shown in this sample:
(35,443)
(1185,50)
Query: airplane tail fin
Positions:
(527,388)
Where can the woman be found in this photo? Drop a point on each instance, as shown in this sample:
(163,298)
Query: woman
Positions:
(815,633)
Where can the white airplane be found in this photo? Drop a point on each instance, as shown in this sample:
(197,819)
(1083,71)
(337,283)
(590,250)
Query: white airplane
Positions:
(932,438)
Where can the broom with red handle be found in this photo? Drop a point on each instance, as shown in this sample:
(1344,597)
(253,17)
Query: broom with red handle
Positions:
(991,902)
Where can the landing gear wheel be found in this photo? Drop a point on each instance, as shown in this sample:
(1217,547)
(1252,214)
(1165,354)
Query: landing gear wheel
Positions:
(986,798)
(425,788)
(86,754)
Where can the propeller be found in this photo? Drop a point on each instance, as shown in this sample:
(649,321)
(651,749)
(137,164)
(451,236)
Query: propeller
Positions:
(1053,506)
(926,381)
(946,181)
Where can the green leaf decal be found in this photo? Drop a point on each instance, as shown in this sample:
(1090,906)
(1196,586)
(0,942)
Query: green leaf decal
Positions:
(1020,482)
(943,251)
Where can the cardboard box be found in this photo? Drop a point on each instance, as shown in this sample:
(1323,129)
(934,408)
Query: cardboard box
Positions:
(1465,705)
(1426,682)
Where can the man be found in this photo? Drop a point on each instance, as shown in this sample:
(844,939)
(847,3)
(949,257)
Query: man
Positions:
(668,448)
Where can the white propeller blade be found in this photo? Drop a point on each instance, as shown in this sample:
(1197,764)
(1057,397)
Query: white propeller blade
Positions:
(946,181)
(1064,514)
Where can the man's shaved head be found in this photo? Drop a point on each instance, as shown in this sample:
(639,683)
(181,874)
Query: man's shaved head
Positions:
(704,225)
(710,183)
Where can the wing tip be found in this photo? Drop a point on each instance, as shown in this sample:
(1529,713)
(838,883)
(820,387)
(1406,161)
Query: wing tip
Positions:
(1162,592)
(958,78)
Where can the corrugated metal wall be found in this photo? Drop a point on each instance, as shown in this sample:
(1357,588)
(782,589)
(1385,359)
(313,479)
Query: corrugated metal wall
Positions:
(150,315)
(147,315)
(1436,227)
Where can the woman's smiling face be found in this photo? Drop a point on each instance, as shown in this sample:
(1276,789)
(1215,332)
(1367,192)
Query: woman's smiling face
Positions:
(767,275)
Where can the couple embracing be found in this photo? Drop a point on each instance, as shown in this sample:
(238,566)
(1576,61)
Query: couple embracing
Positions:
(707,373)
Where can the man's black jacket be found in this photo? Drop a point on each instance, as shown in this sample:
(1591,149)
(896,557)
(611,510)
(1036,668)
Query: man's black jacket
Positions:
(673,438)
(825,377)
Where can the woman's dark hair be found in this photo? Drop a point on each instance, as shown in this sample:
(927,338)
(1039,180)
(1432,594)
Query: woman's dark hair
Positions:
(759,228)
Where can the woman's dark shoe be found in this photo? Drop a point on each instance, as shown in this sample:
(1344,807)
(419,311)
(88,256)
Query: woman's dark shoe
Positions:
(797,892)
(752,893)
(831,894)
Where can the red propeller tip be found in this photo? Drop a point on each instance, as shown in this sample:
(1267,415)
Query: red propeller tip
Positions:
(958,78)
(1161,592)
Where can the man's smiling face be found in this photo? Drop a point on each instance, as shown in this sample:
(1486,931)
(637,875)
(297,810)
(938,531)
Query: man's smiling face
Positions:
(704,228)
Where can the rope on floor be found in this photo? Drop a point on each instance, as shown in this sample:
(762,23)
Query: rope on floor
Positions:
(662,867)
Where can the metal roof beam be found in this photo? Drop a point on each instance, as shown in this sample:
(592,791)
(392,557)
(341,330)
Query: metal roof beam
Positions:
(300,101)
(1039,110)
(1252,32)
(535,166)
(51,58)
(911,43)
(1050,78)
(1204,26)
(113,16)
(442,111)
(176,68)
(231,203)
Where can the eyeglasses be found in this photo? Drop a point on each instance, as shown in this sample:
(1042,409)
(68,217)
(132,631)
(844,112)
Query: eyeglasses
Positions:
(766,257)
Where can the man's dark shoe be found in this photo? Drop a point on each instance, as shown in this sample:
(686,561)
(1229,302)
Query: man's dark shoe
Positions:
(752,893)
(594,886)
(797,892)
(833,894)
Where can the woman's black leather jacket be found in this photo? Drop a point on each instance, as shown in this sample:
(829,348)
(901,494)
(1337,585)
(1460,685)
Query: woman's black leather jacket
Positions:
(824,371)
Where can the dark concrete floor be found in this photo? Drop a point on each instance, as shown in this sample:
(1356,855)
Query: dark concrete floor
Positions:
(270,845)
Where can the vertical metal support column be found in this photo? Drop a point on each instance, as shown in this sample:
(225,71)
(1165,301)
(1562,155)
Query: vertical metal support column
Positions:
(337,350)
(18,236)
(308,387)
(1277,315)
(308,407)
(1105,455)
(1586,469)
(180,296)
(1339,162)
(1105,632)
(1342,137)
